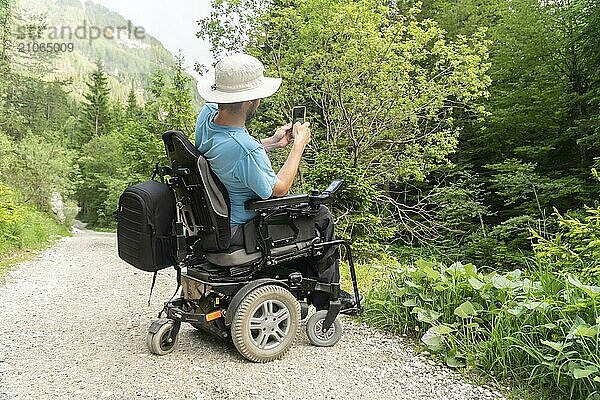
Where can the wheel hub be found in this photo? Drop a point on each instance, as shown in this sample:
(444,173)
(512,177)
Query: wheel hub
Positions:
(325,335)
(269,324)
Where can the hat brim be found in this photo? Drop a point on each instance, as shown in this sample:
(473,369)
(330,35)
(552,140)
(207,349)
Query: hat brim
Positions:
(269,87)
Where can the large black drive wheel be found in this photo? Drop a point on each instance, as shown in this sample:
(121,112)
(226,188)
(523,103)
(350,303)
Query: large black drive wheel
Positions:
(315,333)
(161,342)
(265,324)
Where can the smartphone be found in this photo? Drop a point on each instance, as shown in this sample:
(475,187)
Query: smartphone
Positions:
(298,114)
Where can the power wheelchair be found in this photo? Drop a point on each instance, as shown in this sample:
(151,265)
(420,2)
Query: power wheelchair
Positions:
(255,294)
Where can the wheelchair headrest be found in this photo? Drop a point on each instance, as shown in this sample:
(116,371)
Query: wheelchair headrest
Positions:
(177,142)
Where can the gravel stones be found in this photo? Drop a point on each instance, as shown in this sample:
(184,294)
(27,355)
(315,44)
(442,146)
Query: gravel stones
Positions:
(74,324)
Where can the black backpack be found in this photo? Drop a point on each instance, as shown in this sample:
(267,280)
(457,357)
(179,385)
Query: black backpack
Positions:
(145,226)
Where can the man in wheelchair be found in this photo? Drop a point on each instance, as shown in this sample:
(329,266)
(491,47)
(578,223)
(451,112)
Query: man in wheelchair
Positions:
(249,258)
(241,162)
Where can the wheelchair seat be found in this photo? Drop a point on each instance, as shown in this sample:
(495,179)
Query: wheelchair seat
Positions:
(233,256)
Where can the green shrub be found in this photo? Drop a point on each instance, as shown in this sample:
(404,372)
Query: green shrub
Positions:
(23,227)
(541,330)
(103,178)
(37,167)
(357,219)
(576,246)
(11,217)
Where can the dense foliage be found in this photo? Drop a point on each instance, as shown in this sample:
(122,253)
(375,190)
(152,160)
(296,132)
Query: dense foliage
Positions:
(538,328)
(383,91)
(130,144)
(24,227)
(467,122)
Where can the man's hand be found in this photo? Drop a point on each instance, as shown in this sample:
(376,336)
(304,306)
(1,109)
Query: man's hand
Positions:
(301,133)
(280,139)
(287,173)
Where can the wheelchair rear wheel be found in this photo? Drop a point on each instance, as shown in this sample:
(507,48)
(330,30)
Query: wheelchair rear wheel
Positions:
(265,324)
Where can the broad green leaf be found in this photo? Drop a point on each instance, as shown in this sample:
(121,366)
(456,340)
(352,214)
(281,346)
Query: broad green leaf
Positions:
(431,273)
(582,329)
(411,284)
(472,325)
(579,373)
(591,291)
(597,379)
(515,274)
(440,287)
(470,270)
(465,310)
(433,341)
(442,329)
(516,311)
(557,346)
(412,302)
(530,286)
(502,283)
(422,264)
(456,269)
(425,297)
(476,283)
(428,316)
(586,331)
(456,360)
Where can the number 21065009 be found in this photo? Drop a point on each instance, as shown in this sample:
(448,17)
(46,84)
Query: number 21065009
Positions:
(36,47)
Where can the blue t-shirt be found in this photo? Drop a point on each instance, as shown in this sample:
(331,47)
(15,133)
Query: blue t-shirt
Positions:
(239,160)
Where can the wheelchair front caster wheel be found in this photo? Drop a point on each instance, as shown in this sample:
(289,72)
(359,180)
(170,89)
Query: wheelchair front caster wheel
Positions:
(314,330)
(160,340)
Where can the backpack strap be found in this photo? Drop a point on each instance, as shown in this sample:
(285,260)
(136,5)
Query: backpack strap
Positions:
(152,287)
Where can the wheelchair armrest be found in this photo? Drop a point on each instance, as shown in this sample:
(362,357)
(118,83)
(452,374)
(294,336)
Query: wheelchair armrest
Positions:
(275,202)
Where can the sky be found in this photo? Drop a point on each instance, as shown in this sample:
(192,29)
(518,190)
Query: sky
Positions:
(173,22)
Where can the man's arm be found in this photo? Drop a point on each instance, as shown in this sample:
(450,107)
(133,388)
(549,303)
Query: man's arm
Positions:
(287,173)
(268,144)
(280,139)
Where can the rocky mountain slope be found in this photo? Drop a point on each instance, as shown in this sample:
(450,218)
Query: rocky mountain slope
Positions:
(81,33)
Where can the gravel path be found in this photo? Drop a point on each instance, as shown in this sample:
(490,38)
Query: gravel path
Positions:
(73,326)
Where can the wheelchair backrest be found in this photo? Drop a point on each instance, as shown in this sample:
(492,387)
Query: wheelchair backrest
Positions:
(202,197)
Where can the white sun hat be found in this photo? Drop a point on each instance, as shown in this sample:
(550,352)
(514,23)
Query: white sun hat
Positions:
(239,77)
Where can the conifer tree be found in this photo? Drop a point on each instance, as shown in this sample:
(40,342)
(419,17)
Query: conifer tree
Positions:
(132,109)
(178,100)
(6,17)
(96,113)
